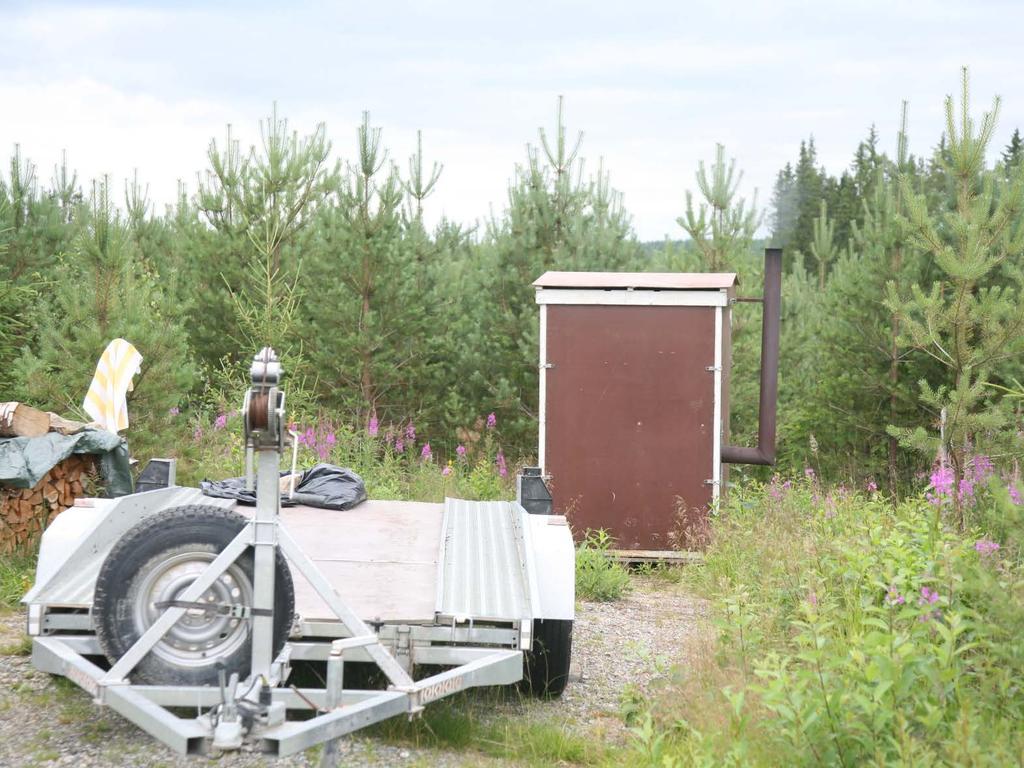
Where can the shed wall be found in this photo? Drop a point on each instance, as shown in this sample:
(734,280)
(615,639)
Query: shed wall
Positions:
(629,419)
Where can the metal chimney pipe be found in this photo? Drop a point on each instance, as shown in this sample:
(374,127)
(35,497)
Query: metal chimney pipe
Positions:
(764,453)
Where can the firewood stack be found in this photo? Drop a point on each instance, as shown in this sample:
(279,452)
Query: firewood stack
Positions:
(25,512)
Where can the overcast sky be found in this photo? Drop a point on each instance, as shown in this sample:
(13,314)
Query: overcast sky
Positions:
(654,85)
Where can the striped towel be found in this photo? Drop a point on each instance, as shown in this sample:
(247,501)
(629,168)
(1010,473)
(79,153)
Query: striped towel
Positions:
(105,401)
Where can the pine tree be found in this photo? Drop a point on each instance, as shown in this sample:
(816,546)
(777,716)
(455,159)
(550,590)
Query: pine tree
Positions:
(823,246)
(107,293)
(964,320)
(723,227)
(784,207)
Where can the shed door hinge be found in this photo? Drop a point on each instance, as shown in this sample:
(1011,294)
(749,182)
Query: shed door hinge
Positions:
(712,368)
(547,365)
(711,482)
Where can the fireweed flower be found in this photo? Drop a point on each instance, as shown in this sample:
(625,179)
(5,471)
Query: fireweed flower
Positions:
(221,421)
(410,432)
(174,411)
(460,451)
(982,468)
(1014,493)
(310,437)
(966,490)
(500,461)
(872,486)
(809,473)
(399,446)
(942,485)
(330,439)
(985,547)
(446,471)
(374,426)
(425,454)
(492,420)
(928,596)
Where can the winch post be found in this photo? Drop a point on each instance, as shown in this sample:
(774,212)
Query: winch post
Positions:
(264,420)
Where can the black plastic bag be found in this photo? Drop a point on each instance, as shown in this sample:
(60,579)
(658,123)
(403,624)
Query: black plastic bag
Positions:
(323,485)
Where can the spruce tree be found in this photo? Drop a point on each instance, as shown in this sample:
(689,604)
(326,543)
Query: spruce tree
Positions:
(823,246)
(1013,152)
(964,320)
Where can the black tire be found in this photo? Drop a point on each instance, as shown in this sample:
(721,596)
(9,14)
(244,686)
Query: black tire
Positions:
(546,666)
(156,560)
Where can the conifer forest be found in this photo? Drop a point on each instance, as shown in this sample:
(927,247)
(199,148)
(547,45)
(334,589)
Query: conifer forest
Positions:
(860,602)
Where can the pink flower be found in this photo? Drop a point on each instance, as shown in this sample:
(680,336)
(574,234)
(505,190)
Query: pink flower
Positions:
(982,466)
(809,473)
(942,484)
(174,411)
(966,490)
(1014,494)
(310,437)
(399,446)
(812,598)
(872,486)
(410,432)
(373,427)
(221,421)
(460,451)
(446,471)
(928,597)
(500,461)
(330,439)
(893,597)
(985,547)
(425,454)
(492,420)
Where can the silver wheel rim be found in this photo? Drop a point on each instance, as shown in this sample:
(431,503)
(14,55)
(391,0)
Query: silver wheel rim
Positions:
(197,638)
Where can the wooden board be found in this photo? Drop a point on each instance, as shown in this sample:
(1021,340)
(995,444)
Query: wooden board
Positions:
(380,556)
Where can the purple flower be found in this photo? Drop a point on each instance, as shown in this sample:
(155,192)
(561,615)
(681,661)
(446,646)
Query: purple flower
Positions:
(425,454)
(500,461)
(893,596)
(221,421)
(330,439)
(373,426)
(872,486)
(928,597)
(942,484)
(985,547)
(809,473)
(310,437)
(174,411)
(966,491)
(410,432)
(812,598)
(492,420)
(787,485)
(446,471)
(460,451)
(982,466)
(1014,493)
(399,446)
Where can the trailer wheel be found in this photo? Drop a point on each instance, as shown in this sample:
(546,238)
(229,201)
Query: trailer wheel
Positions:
(546,666)
(156,561)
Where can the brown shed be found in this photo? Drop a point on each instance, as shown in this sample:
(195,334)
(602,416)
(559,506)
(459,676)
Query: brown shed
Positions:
(634,372)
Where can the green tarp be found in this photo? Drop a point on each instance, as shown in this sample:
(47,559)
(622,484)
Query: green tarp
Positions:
(25,460)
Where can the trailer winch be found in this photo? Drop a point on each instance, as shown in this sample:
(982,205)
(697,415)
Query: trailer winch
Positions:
(168,601)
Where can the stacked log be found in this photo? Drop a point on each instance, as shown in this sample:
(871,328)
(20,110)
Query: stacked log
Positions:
(25,512)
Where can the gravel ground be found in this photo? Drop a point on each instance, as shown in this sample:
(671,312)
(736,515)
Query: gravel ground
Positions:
(47,721)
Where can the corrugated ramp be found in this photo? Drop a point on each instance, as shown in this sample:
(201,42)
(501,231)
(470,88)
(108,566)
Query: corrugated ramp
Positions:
(483,571)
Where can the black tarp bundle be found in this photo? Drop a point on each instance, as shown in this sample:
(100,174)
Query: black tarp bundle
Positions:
(24,461)
(323,485)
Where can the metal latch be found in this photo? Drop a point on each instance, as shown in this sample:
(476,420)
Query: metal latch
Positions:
(219,609)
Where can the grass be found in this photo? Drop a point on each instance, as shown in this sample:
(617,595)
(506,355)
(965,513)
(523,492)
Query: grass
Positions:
(16,574)
(848,630)
(598,575)
(469,723)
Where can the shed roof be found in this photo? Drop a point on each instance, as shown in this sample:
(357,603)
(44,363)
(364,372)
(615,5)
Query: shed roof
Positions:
(665,281)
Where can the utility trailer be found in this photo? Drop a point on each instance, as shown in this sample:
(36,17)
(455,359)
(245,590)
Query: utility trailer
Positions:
(184,613)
